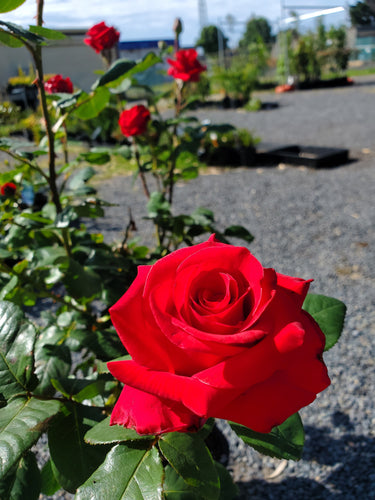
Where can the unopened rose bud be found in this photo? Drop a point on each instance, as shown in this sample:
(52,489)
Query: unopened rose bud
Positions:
(162,45)
(177,26)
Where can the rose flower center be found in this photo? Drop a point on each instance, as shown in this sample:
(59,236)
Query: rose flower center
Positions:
(219,295)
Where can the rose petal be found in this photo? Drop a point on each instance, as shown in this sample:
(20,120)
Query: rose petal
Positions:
(297,286)
(268,403)
(148,414)
(291,337)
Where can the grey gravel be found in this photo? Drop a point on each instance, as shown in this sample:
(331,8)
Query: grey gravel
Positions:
(312,223)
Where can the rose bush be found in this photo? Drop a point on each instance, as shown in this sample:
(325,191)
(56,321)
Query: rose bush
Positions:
(214,334)
(134,121)
(101,37)
(57,84)
(186,67)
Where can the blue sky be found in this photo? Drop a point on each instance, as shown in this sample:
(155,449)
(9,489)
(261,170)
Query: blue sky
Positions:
(146,19)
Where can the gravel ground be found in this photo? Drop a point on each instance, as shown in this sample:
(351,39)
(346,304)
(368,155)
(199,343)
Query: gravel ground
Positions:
(311,223)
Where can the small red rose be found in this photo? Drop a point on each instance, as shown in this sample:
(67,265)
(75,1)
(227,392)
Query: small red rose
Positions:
(8,189)
(212,333)
(134,121)
(101,37)
(57,84)
(186,67)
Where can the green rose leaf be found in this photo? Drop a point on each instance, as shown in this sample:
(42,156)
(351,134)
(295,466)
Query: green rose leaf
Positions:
(228,489)
(284,441)
(190,458)
(329,313)
(97,158)
(119,68)
(189,173)
(124,68)
(203,216)
(49,484)
(27,480)
(8,5)
(103,433)
(47,33)
(17,339)
(9,40)
(79,389)
(81,281)
(105,345)
(52,360)
(140,477)
(72,460)
(89,106)
(81,177)
(239,232)
(148,60)
(9,287)
(23,34)
(7,482)
(175,488)
(158,205)
(22,421)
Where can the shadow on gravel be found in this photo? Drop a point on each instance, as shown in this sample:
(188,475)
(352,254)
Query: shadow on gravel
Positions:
(289,489)
(351,456)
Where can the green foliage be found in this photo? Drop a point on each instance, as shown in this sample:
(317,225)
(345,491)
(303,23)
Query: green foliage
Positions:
(257,28)
(8,5)
(25,482)
(47,33)
(284,441)
(189,457)
(361,14)
(72,460)
(140,479)
(305,60)
(17,360)
(310,55)
(9,113)
(22,422)
(103,433)
(329,313)
(210,39)
(238,81)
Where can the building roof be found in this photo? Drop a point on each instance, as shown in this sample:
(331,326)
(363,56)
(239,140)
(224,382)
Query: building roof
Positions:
(142,44)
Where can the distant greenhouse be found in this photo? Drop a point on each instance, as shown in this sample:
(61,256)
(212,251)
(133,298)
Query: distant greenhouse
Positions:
(365,43)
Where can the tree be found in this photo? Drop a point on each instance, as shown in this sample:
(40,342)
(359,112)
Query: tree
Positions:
(361,14)
(256,27)
(209,39)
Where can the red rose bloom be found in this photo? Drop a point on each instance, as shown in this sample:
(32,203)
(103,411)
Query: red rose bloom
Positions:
(186,67)
(58,84)
(101,37)
(8,189)
(214,334)
(134,121)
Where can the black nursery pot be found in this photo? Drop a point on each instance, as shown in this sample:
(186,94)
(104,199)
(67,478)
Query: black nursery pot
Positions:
(229,156)
(24,96)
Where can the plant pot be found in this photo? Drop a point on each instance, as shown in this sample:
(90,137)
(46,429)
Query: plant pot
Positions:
(24,96)
(310,156)
(229,156)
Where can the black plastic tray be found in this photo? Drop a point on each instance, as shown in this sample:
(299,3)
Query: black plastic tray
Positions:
(310,156)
